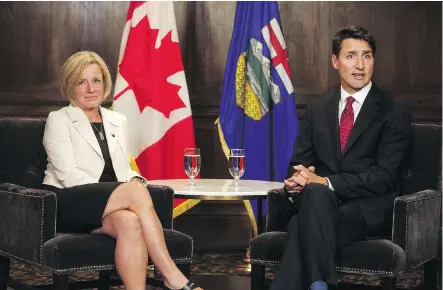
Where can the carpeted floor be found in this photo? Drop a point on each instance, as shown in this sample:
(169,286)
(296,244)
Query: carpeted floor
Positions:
(211,264)
(235,264)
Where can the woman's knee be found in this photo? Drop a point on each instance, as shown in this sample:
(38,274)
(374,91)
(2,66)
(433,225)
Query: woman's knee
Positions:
(128,196)
(122,221)
(139,194)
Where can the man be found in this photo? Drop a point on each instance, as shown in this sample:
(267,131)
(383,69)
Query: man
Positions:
(345,171)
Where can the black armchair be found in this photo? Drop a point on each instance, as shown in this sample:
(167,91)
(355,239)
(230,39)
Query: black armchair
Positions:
(416,223)
(28,218)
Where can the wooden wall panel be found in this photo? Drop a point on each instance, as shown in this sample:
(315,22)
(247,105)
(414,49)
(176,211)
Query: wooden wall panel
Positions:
(37,37)
(307,38)
(213,29)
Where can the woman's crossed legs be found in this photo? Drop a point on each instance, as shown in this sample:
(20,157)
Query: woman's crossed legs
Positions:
(130,217)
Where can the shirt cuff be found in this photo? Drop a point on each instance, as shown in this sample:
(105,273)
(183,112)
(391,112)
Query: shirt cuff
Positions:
(290,190)
(329,184)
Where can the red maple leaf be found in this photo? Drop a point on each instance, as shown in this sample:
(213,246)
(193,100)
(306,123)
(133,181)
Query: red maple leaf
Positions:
(146,68)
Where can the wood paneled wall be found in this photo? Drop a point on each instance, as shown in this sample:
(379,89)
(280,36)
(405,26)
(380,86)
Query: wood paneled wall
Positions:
(37,37)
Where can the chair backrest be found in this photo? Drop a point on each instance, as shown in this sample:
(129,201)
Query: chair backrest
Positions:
(425,164)
(22,156)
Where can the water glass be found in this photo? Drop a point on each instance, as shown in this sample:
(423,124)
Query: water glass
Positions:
(192,163)
(236,164)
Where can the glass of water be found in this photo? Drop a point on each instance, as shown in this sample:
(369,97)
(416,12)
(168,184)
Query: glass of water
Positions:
(192,163)
(236,165)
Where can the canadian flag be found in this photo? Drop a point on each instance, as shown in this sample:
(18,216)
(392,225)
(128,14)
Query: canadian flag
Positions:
(151,91)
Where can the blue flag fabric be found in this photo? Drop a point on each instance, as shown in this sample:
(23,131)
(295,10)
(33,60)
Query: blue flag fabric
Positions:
(257,109)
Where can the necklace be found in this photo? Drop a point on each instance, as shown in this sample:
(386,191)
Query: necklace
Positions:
(100,132)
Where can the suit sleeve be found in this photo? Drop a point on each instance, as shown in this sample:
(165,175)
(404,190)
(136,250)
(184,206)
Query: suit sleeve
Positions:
(381,177)
(58,146)
(130,173)
(303,149)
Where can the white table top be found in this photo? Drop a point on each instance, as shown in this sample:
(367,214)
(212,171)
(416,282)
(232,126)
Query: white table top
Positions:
(219,189)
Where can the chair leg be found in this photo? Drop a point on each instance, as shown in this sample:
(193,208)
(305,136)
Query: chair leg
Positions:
(430,275)
(257,277)
(60,282)
(185,269)
(388,283)
(104,277)
(4,272)
(439,277)
(156,272)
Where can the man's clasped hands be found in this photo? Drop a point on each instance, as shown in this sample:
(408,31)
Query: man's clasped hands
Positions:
(303,176)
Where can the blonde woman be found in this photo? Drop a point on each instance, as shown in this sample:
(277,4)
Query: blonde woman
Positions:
(88,168)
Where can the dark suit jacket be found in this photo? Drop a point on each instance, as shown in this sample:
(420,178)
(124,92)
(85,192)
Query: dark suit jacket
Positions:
(369,171)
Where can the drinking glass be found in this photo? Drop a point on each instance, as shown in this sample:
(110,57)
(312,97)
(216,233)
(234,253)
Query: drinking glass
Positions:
(192,163)
(236,165)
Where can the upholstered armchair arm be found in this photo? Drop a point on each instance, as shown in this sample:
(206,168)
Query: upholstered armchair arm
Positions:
(416,224)
(27,220)
(163,199)
(279,206)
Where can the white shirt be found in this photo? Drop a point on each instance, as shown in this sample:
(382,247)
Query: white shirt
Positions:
(360,98)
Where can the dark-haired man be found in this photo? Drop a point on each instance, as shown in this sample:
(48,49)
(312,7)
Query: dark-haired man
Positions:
(345,171)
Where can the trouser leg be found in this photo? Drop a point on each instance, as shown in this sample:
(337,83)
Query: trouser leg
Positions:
(310,251)
(322,226)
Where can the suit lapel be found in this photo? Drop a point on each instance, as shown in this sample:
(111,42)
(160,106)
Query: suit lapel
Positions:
(332,121)
(111,129)
(83,127)
(368,112)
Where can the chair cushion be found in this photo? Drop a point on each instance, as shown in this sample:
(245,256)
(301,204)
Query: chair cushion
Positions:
(268,248)
(71,252)
(381,257)
(371,257)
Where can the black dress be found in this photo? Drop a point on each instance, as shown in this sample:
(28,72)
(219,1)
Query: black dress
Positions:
(80,208)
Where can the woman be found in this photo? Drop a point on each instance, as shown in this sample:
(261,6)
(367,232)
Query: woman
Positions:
(88,168)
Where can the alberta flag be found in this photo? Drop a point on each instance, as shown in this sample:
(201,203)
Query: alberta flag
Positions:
(257,109)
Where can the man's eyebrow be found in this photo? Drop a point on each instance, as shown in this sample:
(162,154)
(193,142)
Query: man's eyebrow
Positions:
(355,52)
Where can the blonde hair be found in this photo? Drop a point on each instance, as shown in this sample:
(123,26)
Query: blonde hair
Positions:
(72,71)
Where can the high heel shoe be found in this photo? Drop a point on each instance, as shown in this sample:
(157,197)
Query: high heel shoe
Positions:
(189,286)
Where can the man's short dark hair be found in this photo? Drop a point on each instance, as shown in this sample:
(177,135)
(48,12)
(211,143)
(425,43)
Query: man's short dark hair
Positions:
(354,32)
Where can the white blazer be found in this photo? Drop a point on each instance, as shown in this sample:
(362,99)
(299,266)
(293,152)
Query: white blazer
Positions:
(74,155)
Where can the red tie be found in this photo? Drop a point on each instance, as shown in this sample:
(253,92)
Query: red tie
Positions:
(346,122)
